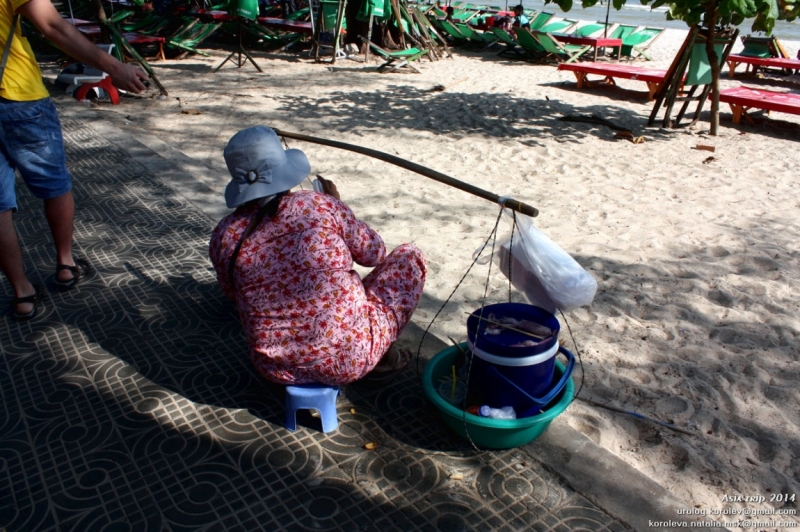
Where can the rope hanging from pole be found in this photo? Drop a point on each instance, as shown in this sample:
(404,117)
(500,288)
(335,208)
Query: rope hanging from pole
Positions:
(505,201)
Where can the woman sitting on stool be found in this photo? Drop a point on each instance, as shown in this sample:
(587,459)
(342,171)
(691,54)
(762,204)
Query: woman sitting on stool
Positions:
(286,259)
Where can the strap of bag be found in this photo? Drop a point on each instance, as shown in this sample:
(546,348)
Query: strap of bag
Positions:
(8,47)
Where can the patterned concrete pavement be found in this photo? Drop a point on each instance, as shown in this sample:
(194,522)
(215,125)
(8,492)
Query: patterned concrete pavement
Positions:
(131,404)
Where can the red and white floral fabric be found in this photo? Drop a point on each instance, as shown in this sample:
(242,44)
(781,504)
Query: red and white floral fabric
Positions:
(307,314)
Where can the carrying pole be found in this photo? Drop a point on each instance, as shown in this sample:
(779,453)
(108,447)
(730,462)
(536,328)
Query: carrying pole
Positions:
(512,204)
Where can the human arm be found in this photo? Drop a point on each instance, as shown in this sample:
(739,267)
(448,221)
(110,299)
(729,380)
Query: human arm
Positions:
(54,27)
(329,187)
(365,245)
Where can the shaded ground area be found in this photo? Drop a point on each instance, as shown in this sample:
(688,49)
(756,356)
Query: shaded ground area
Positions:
(131,404)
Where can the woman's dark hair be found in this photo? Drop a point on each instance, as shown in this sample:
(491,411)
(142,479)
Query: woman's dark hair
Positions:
(272,205)
(268,208)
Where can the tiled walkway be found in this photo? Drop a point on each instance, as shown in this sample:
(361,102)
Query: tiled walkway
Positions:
(131,404)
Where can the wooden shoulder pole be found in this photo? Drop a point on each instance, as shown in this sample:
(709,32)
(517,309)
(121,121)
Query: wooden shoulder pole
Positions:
(414,167)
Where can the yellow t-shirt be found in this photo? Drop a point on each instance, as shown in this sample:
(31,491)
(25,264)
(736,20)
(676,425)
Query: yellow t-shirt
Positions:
(22,80)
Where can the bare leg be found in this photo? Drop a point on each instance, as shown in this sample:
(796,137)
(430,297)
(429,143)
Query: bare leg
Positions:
(11,262)
(60,213)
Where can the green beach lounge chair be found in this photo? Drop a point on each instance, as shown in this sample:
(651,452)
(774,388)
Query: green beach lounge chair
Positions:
(512,46)
(593,30)
(761,47)
(481,39)
(640,41)
(396,60)
(540,20)
(563,53)
(189,37)
(560,26)
(533,50)
(455,34)
(622,31)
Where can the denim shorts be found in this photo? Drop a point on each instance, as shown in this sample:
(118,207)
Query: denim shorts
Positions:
(31,142)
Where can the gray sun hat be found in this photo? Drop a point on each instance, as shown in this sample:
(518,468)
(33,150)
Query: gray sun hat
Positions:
(260,167)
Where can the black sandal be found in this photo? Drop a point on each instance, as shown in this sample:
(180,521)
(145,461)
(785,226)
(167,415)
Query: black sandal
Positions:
(38,296)
(81,269)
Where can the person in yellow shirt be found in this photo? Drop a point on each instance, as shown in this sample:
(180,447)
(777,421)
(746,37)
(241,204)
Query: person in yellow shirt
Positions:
(32,144)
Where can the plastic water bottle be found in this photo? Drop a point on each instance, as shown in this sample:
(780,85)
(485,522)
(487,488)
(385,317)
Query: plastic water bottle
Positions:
(507,412)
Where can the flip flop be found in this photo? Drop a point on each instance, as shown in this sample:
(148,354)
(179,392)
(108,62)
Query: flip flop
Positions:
(38,296)
(81,269)
(400,360)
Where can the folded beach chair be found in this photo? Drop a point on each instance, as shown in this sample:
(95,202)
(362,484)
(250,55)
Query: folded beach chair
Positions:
(540,20)
(563,53)
(151,24)
(512,46)
(189,37)
(695,86)
(396,60)
(640,41)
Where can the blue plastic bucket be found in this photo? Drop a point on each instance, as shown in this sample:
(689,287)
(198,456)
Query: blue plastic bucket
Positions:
(505,373)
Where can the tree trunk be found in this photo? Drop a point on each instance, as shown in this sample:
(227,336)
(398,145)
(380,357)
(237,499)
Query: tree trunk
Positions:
(711,21)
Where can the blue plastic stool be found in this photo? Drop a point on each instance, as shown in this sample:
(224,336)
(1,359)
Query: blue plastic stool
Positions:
(320,397)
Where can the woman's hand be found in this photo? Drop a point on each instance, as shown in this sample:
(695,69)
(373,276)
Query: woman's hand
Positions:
(328,187)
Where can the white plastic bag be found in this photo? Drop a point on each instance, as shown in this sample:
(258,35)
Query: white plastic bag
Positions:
(547,275)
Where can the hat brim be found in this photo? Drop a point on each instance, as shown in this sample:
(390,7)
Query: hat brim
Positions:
(284,178)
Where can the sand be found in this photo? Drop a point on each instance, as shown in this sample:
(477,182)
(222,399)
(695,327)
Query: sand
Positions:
(696,253)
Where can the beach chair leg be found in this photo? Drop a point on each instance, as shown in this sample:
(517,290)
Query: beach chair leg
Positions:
(731,68)
(643,54)
(737,111)
(652,88)
(610,80)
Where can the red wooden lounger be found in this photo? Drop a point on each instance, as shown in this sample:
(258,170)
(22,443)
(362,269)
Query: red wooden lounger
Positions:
(741,99)
(755,62)
(652,76)
(93,32)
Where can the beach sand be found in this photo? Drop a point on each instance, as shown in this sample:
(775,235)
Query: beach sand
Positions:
(695,321)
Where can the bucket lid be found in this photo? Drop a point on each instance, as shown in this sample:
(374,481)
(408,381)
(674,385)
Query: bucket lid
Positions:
(514,341)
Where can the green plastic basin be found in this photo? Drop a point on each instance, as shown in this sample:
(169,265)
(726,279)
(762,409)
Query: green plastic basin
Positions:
(483,431)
